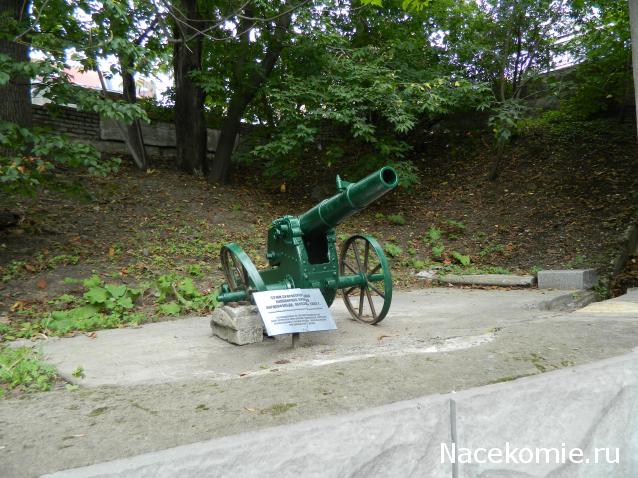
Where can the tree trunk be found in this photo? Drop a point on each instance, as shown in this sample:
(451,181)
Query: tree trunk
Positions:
(190,128)
(246,88)
(16,95)
(633,18)
(134,130)
(228,137)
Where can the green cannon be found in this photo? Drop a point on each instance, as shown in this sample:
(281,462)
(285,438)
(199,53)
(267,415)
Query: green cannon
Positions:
(302,253)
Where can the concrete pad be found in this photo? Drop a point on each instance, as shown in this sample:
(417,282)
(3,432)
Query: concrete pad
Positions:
(611,308)
(624,307)
(567,279)
(471,338)
(428,321)
(587,407)
(503,280)
(397,440)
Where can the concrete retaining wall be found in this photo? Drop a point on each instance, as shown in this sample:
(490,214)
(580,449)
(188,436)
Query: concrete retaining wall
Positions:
(69,121)
(105,136)
(591,406)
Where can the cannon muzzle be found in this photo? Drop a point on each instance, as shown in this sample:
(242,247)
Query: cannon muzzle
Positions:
(352,197)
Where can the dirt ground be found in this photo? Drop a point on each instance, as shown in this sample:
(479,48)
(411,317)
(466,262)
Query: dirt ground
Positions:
(559,202)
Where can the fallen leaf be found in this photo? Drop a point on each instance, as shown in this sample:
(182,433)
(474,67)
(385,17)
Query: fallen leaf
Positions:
(381,337)
(41,284)
(111,251)
(282,361)
(29,267)
(92,335)
(250,409)
(19,305)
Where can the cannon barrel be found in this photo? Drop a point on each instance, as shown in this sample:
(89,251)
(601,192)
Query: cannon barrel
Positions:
(352,198)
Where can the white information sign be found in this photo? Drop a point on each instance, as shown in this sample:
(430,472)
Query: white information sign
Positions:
(293,310)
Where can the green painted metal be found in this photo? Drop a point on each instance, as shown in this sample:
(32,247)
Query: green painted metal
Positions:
(302,249)
(375,278)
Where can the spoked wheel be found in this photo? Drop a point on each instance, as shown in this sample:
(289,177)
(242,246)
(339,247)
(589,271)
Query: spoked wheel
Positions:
(239,270)
(363,256)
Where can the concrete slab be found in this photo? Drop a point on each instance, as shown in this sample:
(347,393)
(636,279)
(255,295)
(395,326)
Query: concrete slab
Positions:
(94,424)
(592,407)
(589,407)
(623,307)
(503,280)
(401,439)
(567,279)
(428,321)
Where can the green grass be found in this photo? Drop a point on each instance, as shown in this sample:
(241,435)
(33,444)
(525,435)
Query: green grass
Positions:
(21,369)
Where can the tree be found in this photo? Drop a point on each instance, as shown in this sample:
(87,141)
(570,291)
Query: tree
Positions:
(190,127)
(633,15)
(28,156)
(248,76)
(353,85)
(16,92)
(602,77)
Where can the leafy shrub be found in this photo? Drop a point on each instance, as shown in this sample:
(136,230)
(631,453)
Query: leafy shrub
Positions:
(437,251)
(433,235)
(408,173)
(458,226)
(505,121)
(34,154)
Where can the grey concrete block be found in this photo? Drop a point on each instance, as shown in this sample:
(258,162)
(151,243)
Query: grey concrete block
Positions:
(239,325)
(504,280)
(401,439)
(589,407)
(568,279)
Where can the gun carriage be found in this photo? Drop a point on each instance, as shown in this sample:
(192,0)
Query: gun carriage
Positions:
(302,253)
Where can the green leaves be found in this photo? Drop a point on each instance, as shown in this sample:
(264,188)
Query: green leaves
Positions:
(462,259)
(393,250)
(21,368)
(184,294)
(96,295)
(34,154)
(104,306)
(170,308)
